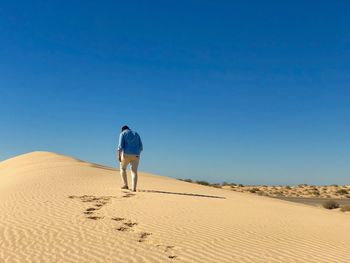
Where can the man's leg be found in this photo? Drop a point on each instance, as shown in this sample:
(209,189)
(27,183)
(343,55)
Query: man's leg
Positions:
(123,166)
(134,165)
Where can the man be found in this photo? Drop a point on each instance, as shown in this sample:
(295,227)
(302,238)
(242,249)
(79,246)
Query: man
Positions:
(129,150)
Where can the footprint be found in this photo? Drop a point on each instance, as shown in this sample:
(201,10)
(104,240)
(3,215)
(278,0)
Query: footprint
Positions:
(130,224)
(167,248)
(95,217)
(128,195)
(123,229)
(118,218)
(91,198)
(88,213)
(88,198)
(99,202)
(143,236)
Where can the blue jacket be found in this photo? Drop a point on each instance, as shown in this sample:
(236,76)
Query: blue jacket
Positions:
(130,142)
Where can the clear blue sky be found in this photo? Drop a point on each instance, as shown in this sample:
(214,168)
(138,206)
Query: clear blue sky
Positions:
(242,91)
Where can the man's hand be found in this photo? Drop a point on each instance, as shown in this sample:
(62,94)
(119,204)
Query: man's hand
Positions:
(119,156)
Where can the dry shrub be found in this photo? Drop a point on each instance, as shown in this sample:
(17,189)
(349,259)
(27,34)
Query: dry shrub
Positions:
(228,184)
(330,204)
(253,190)
(342,192)
(187,180)
(345,208)
(316,192)
(262,193)
(203,183)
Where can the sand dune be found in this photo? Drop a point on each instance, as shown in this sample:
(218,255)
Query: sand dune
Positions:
(59,209)
(301,191)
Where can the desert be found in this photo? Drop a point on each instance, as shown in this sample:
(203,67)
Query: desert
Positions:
(56,208)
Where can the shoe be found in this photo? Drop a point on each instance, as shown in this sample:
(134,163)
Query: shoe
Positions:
(134,190)
(125,187)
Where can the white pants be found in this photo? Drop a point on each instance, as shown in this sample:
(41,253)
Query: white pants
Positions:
(133,160)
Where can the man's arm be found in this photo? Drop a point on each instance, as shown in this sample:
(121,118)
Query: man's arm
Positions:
(141,144)
(119,155)
(140,141)
(120,147)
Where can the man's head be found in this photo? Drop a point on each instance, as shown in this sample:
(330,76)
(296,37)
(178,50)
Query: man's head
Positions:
(125,128)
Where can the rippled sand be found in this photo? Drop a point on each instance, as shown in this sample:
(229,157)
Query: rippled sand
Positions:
(59,209)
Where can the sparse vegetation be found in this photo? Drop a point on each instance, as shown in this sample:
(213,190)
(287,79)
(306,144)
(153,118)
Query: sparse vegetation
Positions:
(330,204)
(342,191)
(254,190)
(315,192)
(302,190)
(261,193)
(228,184)
(345,208)
(203,183)
(185,180)
(278,193)
(188,180)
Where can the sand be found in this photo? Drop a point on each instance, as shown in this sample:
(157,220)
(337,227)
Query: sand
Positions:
(56,208)
(301,191)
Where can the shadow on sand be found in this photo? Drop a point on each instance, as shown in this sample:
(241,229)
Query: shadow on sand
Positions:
(174,193)
(95,165)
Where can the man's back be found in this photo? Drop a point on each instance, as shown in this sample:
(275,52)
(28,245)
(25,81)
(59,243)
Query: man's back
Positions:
(130,142)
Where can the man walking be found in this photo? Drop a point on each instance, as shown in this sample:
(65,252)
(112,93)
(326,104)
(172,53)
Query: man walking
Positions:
(129,150)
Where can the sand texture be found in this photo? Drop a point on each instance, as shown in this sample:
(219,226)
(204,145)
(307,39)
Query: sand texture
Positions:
(59,209)
(302,191)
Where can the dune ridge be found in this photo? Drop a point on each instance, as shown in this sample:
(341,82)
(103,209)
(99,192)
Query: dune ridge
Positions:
(60,209)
